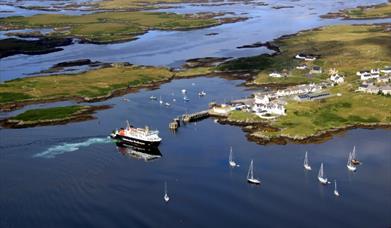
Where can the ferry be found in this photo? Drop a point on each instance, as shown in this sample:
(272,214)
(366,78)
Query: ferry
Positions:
(140,137)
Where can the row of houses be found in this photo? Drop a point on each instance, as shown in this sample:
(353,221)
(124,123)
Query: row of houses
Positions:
(273,108)
(373,73)
(374,89)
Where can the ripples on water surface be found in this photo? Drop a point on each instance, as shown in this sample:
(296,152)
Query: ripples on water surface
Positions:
(87,182)
(72,176)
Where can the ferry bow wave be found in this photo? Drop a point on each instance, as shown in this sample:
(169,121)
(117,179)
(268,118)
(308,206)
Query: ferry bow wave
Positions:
(56,150)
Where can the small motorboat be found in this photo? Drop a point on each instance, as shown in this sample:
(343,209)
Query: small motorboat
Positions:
(126,99)
(186,99)
(153,98)
(202,93)
(167,104)
(183,91)
(174,100)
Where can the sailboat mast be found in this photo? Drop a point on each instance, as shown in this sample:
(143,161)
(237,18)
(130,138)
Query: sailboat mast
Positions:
(306,158)
(320,174)
(354,153)
(230,154)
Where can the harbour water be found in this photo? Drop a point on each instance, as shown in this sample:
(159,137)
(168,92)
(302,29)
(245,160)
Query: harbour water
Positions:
(73,176)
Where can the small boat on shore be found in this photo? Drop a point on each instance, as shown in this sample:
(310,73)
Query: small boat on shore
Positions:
(306,163)
(250,175)
(321,177)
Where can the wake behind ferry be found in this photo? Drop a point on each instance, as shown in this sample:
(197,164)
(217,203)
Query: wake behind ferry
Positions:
(139,137)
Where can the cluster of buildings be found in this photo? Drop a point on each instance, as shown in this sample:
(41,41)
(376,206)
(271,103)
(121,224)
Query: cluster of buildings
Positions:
(272,103)
(375,81)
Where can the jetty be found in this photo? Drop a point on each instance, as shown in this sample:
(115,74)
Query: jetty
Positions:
(195,116)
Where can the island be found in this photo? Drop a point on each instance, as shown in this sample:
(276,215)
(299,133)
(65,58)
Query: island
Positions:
(51,116)
(110,27)
(363,12)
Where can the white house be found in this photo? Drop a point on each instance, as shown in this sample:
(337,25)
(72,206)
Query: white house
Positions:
(275,75)
(368,88)
(367,76)
(386,89)
(337,78)
(271,108)
(305,88)
(386,70)
(362,72)
(261,99)
(305,57)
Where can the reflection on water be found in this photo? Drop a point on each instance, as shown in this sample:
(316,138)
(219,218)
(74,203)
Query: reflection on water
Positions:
(89,184)
(146,154)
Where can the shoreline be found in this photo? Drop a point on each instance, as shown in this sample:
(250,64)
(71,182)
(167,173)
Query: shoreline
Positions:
(250,127)
(86,113)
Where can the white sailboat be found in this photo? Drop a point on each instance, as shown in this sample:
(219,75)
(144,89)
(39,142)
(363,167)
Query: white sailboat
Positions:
(350,165)
(232,163)
(166,197)
(160,100)
(321,177)
(306,164)
(335,188)
(250,175)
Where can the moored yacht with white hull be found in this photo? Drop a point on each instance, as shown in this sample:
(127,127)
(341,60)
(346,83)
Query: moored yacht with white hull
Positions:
(139,137)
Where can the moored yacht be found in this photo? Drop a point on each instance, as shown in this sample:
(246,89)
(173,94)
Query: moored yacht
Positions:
(140,137)
(321,177)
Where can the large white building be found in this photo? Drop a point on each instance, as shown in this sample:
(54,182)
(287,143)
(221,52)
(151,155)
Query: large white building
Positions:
(294,90)
(271,108)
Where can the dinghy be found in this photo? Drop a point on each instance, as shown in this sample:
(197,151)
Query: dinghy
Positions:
(306,164)
(355,161)
(335,188)
(350,165)
(166,197)
(250,175)
(321,177)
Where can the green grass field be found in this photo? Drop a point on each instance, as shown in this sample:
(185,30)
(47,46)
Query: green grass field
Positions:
(92,84)
(49,113)
(241,116)
(378,11)
(348,48)
(111,26)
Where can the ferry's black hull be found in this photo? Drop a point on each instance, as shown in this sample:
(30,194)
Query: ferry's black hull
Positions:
(135,142)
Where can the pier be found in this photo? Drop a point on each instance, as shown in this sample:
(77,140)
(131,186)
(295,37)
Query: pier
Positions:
(195,116)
